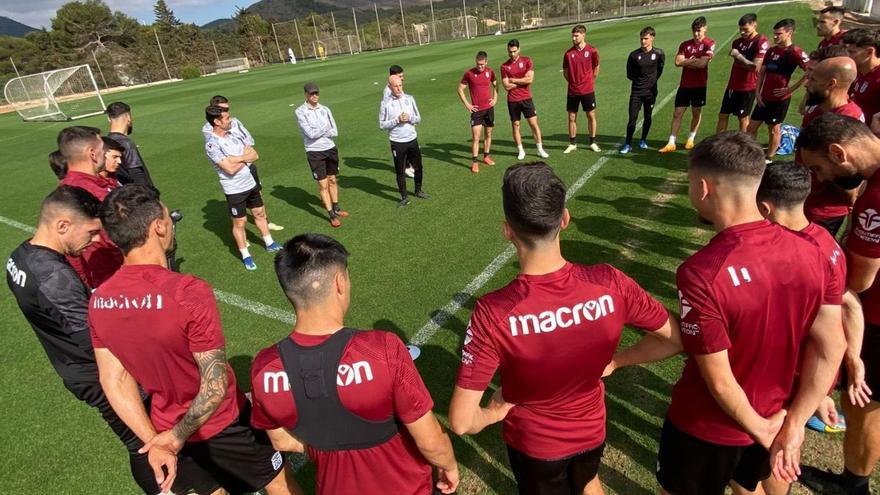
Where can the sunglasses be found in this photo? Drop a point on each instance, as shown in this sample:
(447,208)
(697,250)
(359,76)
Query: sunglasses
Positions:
(314,93)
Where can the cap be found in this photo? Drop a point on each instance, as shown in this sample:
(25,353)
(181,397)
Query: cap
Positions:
(310,88)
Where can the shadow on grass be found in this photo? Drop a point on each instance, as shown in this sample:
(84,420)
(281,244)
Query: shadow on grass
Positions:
(370,185)
(306,201)
(216,218)
(667,213)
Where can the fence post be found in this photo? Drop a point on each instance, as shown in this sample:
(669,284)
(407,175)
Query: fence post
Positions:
(335,34)
(467,29)
(215,50)
(378,27)
(99,68)
(274,34)
(356,31)
(403,23)
(162,54)
(302,52)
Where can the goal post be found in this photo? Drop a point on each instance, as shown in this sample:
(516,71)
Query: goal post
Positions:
(62,94)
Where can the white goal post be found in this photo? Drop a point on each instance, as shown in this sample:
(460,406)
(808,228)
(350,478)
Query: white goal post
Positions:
(62,94)
(232,65)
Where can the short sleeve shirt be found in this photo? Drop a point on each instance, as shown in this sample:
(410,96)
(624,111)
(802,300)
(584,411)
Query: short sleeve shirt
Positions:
(836,39)
(865,91)
(864,240)
(779,64)
(153,320)
(753,291)
(376,379)
(580,65)
(696,78)
(551,336)
(480,86)
(218,148)
(517,70)
(753,49)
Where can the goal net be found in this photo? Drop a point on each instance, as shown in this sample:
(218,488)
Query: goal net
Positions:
(232,65)
(63,94)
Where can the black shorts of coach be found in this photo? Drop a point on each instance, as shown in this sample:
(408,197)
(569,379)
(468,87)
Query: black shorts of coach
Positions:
(239,458)
(690,97)
(483,117)
(772,113)
(523,108)
(687,465)
(871,358)
(323,163)
(737,103)
(587,102)
(554,477)
(240,203)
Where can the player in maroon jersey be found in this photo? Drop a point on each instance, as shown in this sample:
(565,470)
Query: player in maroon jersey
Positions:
(828,26)
(483,88)
(693,57)
(580,68)
(517,75)
(773,94)
(727,408)
(747,53)
(863,46)
(550,333)
(843,150)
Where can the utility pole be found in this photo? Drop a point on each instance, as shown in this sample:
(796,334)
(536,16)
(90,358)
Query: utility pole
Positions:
(99,68)
(162,54)
(500,26)
(467,28)
(280,57)
(335,34)
(302,52)
(215,50)
(379,27)
(315,25)
(433,23)
(356,31)
(403,23)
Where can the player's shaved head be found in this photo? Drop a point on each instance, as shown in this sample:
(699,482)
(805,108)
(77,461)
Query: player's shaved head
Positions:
(74,141)
(68,201)
(534,202)
(841,69)
(128,212)
(785,185)
(307,266)
(731,154)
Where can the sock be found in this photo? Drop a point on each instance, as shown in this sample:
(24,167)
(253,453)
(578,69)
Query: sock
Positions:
(592,139)
(672,140)
(331,213)
(336,206)
(519,147)
(691,136)
(485,154)
(267,240)
(244,253)
(539,145)
(572,140)
(854,484)
(476,159)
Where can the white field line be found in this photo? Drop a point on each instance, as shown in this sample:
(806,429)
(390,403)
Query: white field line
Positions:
(442,316)
(226,297)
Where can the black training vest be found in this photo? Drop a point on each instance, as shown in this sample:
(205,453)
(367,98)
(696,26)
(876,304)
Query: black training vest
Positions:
(324,423)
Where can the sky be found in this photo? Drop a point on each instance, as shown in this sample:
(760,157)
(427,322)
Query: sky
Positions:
(38,13)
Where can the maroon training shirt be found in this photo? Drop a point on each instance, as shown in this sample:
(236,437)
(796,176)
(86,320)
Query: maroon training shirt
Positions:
(480,86)
(753,49)
(580,65)
(696,78)
(864,240)
(517,70)
(376,379)
(551,336)
(779,64)
(865,91)
(836,39)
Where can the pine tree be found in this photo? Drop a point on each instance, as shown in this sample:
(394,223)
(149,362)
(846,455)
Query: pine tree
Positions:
(164,15)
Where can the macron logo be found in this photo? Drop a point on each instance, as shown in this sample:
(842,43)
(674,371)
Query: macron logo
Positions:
(868,219)
(564,317)
(17,276)
(684,305)
(148,301)
(346,374)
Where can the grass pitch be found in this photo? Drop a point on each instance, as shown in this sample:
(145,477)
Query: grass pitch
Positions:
(406,263)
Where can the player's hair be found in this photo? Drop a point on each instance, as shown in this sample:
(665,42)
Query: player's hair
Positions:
(580,28)
(731,154)
(481,55)
(127,213)
(864,38)
(58,164)
(112,144)
(72,140)
(785,184)
(835,12)
(748,19)
(306,267)
(827,51)
(217,99)
(647,30)
(117,109)
(698,23)
(831,128)
(394,70)
(534,201)
(69,199)
(213,112)
(786,24)
(514,43)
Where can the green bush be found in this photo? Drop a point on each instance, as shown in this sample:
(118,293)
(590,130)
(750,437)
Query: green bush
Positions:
(190,72)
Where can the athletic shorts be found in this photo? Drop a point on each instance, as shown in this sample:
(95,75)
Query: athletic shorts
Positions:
(239,458)
(871,358)
(687,465)
(558,477)
(483,117)
(772,113)
(832,225)
(587,102)
(323,163)
(690,97)
(737,103)
(240,203)
(524,108)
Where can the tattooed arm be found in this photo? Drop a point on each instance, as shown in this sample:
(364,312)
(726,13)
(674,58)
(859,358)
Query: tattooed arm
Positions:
(212,391)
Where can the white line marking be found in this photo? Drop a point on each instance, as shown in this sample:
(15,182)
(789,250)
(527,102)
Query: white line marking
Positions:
(226,297)
(442,316)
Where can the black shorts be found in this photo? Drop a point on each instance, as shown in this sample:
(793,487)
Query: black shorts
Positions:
(240,203)
(323,163)
(737,103)
(557,477)
(871,358)
(239,458)
(687,465)
(690,97)
(587,102)
(772,113)
(524,108)
(832,225)
(483,117)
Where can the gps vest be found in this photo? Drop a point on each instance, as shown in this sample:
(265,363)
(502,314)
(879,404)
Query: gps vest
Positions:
(324,423)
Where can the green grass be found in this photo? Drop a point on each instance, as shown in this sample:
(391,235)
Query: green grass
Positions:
(405,263)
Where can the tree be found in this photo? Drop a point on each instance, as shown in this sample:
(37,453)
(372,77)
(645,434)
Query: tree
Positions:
(165,16)
(90,25)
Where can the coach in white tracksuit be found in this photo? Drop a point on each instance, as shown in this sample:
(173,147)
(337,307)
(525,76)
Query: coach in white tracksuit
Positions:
(399,115)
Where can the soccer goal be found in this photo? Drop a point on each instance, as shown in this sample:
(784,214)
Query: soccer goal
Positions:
(63,94)
(232,65)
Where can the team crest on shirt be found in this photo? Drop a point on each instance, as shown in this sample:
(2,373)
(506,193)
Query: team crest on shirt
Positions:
(521,65)
(586,54)
(653,56)
(468,335)
(869,219)
(765,45)
(684,305)
(863,87)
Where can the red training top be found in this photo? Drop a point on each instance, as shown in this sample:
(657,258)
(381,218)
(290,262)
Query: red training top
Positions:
(836,39)
(479,85)
(865,91)
(864,240)
(580,66)
(517,70)
(779,64)
(753,49)
(696,78)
